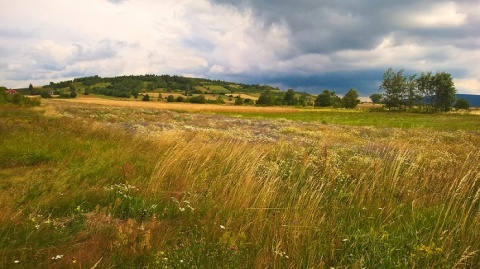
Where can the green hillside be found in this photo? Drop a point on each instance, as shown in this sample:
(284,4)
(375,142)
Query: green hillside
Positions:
(166,85)
(125,86)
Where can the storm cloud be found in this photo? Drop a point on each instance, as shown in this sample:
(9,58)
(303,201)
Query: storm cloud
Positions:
(308,45)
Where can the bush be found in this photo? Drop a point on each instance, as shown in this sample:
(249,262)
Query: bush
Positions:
(45,94)
(180,99)
(462,104)
(170,98)
(18,99)
(199,99)
(239,101)
(146,97)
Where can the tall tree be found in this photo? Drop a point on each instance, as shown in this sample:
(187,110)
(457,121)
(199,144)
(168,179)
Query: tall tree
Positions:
(266,99)
(289,98)
(413,96)
(425,87)
(395,85)
(445,91)
(326,98)
(350,100)
(31,90)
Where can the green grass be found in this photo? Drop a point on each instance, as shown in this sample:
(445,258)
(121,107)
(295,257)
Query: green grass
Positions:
(101,85)
(77,192)
(450,122)
(217,89)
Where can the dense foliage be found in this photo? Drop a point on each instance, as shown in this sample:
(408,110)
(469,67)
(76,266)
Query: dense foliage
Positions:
(427,91)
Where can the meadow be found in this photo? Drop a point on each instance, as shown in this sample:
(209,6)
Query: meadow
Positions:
(86,184)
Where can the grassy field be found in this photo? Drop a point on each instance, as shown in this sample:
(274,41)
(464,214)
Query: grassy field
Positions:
(141,185)
(217,89)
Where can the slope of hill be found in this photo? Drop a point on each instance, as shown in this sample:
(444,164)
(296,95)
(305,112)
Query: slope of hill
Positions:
(194,90)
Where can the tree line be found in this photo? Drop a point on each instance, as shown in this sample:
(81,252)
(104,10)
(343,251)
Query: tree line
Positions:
(330,98)
(425,92)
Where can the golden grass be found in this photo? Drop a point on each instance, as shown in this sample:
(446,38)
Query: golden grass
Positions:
(175,106)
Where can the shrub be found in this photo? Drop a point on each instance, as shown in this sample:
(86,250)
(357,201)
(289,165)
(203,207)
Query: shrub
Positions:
(170,98)
(199,99)
(239,101)
(462,104)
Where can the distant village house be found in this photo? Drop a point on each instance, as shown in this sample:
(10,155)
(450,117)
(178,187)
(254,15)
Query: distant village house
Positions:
(11,92)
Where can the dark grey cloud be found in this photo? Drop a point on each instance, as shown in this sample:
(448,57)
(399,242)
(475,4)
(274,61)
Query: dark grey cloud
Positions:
(331,25)
(365,81)
(434,30)
(321,26)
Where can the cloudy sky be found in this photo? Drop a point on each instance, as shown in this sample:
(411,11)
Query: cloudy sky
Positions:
(303,44)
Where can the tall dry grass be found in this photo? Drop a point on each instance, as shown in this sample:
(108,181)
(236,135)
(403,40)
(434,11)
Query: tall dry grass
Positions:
(316,196)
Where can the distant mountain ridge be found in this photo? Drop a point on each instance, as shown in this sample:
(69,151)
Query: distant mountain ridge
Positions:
(473,99)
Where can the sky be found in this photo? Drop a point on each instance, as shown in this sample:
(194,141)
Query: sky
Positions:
(307,45)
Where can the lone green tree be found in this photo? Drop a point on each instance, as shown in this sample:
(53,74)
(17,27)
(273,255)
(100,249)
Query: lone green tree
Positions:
(350,100)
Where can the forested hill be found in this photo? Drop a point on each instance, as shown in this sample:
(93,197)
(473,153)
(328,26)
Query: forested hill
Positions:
(123,86)
(172,88)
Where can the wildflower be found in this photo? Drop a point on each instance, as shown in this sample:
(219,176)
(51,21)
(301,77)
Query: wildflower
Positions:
(16,261)
(58,257)
(37,226)
(345,240)
(222,227)
(181,261)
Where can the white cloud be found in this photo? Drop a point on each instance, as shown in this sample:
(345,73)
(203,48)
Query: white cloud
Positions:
(438,15)
(467,85)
